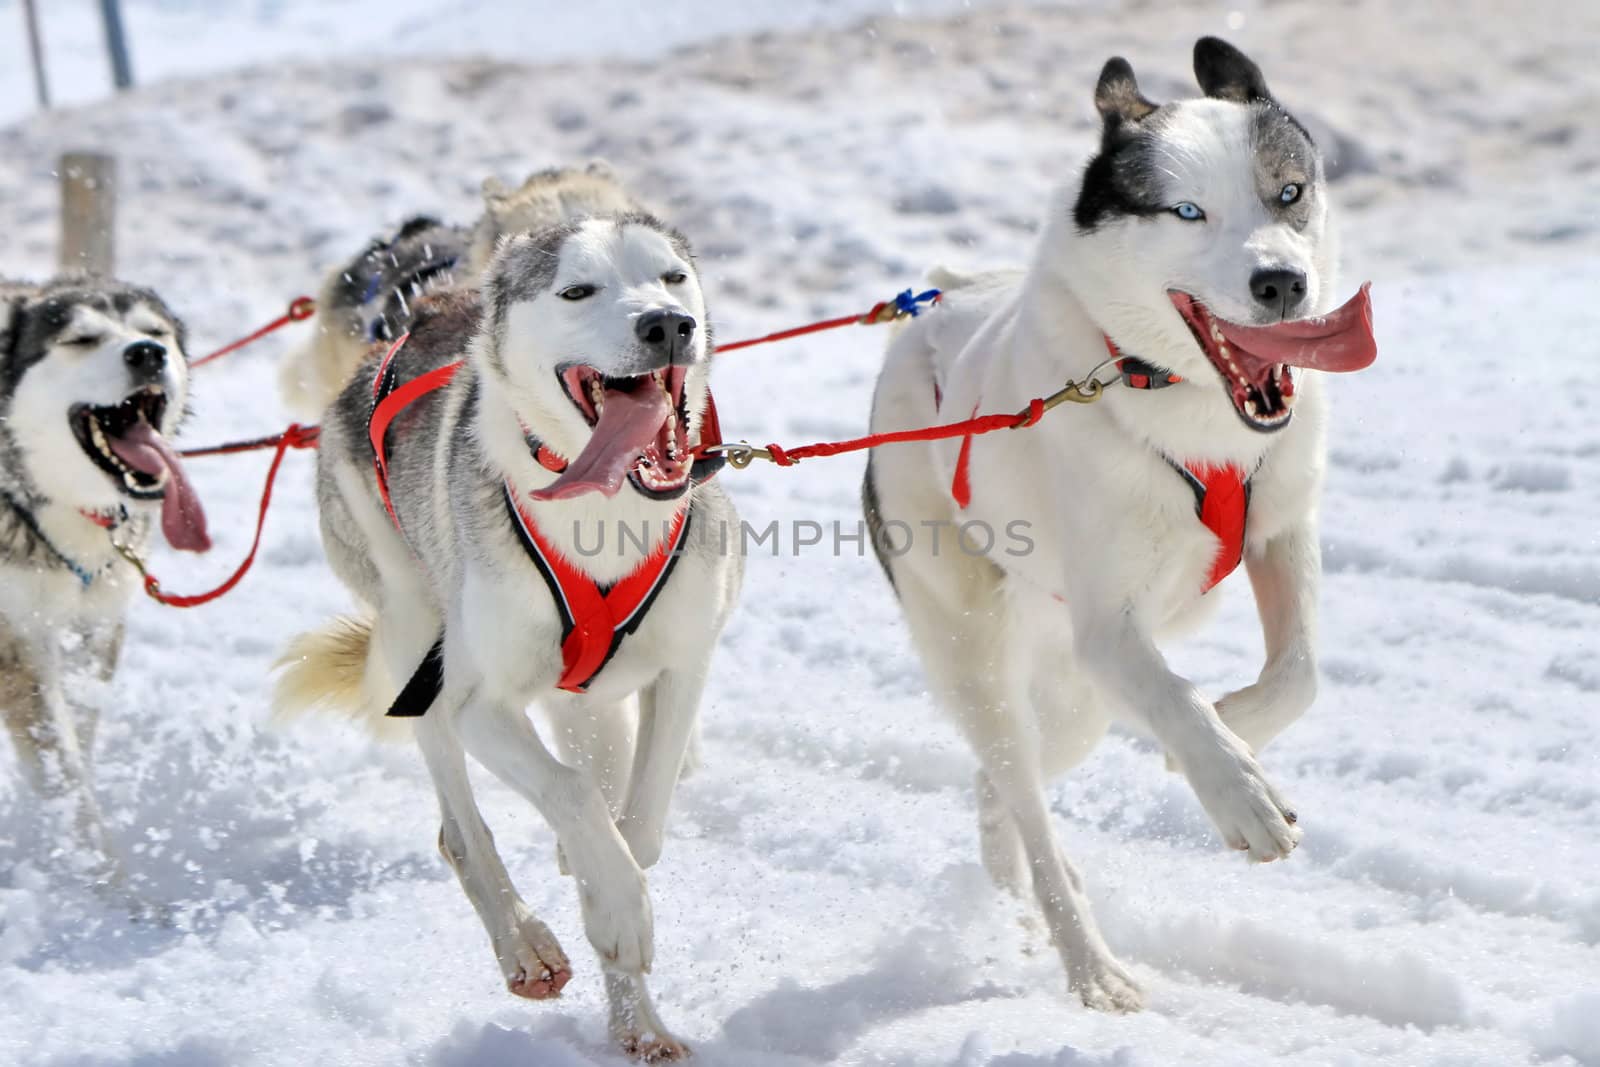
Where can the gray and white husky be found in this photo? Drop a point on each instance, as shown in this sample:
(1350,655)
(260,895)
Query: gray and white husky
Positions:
(370,298)
(1195,248)
(589,344)
(93,384)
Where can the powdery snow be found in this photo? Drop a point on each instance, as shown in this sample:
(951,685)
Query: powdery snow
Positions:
(820,899)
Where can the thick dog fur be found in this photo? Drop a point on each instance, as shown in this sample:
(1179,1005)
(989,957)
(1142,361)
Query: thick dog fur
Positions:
(1033,654)
(63,588)
(545,199)
(460,570)
(370,299)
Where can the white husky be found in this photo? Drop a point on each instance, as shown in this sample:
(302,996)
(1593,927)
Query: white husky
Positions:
(1193,248)
(538,534)
(94,383)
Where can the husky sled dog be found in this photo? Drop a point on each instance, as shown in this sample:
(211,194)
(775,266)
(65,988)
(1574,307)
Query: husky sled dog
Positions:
(1195,246)
(367,301)
(93,384)
(370,299)
(472,549)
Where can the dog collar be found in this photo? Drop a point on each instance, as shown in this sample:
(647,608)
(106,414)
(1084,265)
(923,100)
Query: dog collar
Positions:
(31,523)
(108,519)
(546,457)
(1137,374)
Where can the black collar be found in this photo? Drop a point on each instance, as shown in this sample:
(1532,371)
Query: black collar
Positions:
(1137,374)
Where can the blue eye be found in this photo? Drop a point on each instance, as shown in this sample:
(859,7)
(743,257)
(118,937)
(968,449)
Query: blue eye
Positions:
(1289,193)
(1189,212)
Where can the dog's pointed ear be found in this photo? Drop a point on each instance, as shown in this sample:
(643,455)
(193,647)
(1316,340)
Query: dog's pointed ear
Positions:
(1227,73)
(1117,96)
(13,296)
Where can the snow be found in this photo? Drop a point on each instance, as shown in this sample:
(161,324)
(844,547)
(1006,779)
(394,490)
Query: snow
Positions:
(820,899)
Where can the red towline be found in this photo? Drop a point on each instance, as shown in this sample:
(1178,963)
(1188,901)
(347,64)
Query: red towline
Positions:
(296,436)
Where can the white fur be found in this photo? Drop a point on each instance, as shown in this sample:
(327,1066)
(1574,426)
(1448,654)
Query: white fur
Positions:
(1034,654)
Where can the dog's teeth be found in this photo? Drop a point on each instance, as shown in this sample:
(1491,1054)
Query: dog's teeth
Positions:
(1250,407)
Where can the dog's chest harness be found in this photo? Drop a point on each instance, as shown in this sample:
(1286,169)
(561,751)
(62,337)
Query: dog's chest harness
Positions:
(1221,493)
(595,619)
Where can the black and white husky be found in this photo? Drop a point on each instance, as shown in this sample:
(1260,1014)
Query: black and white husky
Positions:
(488,556)
(93,383)
(1190,258)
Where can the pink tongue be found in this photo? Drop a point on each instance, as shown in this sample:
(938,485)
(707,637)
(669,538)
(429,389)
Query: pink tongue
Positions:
(1342,340)
(182,519)
(629,422)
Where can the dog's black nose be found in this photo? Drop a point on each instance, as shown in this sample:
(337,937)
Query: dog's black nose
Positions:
(1281,290)
(666,333)
(145,357)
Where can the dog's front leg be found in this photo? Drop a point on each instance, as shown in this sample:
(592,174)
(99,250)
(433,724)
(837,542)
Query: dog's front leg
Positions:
(49,750)
(530,957)
(667,712)
(1230,784)
(611,887)
(1285,575)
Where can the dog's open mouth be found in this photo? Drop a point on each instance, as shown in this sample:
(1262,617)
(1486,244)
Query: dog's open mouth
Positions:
(640,432)
(1255,361)
(125,441)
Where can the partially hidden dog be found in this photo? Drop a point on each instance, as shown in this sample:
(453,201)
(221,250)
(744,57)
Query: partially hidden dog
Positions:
(370,298)
(93,386)
(538,534)
(1193,265)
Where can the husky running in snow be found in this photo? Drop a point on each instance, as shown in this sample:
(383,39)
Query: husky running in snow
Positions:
(1190,257)
(369,300)
(582,393)
(93,384)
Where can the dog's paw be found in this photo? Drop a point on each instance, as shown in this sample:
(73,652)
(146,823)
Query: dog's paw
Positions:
(535,967)
(651,1047)
(619,923)
(1103,984)
(1248,811)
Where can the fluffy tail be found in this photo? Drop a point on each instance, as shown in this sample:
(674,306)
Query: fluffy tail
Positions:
(326,670)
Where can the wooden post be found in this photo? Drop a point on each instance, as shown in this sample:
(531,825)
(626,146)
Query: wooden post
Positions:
(41,84)
(88,212)
(117,44)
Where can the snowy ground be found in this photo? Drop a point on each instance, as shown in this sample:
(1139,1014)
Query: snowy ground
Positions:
(820,900)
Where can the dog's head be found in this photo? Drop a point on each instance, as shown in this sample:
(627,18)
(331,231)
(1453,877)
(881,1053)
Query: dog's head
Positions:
(94,379)
(598,335)
(369,299)
(1204,237)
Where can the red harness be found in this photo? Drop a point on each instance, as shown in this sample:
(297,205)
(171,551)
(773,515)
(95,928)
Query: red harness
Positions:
(1221,494)
(594,619)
